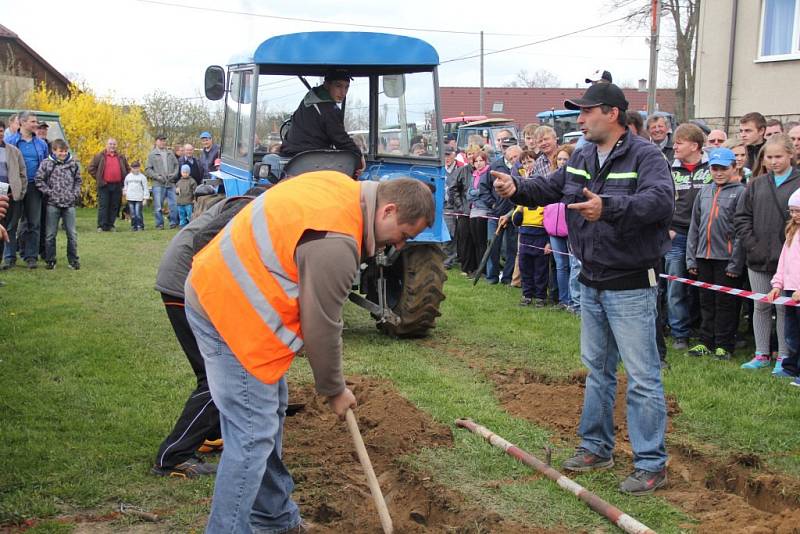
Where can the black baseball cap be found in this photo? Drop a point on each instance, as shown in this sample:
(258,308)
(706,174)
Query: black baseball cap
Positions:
(337,74)
(598,95)
(161,136)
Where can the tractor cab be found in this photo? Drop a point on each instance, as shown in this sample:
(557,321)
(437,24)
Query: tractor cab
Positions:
(392,113)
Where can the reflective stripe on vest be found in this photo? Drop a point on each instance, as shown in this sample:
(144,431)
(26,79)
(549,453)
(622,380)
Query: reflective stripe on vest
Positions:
(246,278)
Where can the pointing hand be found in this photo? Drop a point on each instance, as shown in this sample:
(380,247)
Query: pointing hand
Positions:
(504,184)
(591,208)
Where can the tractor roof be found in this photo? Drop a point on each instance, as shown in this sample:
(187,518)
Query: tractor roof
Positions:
(361,53)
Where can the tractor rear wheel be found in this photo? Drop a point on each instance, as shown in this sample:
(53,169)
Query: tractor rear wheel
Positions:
(414,285)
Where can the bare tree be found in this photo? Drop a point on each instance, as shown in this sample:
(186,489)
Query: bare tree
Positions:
(540,78)
(180,119)
(682,16)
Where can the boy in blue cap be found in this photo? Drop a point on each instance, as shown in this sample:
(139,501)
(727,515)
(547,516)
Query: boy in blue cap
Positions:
(714,254)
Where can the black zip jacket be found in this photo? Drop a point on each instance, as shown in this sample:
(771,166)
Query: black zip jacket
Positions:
(623,249)
(760,220)
(318,123)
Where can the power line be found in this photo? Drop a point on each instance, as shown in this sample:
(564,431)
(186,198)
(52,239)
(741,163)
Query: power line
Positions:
(354,24)
(537,42)
(316,21)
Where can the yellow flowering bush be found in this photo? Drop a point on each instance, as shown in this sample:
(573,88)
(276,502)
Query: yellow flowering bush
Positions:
(89,122)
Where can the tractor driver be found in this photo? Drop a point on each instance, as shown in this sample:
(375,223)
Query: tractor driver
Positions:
(318,122)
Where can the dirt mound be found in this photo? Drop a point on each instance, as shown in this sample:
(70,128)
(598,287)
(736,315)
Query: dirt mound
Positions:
(723,496)
(331,489)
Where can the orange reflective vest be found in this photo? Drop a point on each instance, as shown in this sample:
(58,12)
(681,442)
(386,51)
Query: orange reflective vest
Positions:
(246,278)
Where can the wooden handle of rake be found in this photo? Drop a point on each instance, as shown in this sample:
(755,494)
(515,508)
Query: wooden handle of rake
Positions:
(372,480)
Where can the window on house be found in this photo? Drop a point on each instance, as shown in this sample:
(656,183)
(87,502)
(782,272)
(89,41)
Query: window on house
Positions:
(497,107)
(780,29)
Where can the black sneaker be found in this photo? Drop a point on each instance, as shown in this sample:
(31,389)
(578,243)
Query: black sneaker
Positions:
(525,301)
(584,460)
(74,265)
(539,303)
(31,263)
(6,265)
(191,468)
(642,482)
(50,265)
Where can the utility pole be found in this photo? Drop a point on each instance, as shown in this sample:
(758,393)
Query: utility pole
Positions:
(655,6)
(481,91)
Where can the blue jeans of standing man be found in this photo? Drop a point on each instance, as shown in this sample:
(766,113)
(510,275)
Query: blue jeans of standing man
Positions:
(574,283)
(253,488)
(620,325)
(11,222)
(559,244)
(54,214)
(509,240)
(160,193)
(32,209)
(678,298)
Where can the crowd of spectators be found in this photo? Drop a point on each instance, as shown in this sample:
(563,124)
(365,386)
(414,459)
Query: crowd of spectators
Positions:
(43,183)
(732,208)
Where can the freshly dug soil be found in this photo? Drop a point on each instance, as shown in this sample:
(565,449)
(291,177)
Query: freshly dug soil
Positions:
(331,488)
(730,496)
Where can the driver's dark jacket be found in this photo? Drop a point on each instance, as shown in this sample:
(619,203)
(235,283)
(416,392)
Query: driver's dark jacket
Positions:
(621,250)
(318,123)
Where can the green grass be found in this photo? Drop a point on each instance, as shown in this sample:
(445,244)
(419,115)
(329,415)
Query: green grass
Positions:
(92,378)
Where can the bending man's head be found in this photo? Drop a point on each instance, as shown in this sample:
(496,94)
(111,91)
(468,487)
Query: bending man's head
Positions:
(405,208)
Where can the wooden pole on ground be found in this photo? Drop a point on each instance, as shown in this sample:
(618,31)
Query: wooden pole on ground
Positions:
(372,480)
(612,513)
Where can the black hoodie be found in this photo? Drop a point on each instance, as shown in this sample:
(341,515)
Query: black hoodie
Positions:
(760,219)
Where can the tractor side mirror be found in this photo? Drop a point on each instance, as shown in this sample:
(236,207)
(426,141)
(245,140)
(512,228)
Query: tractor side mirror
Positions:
(215,82)
(394,85)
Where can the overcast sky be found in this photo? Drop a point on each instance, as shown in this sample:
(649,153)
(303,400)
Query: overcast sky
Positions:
(126,49)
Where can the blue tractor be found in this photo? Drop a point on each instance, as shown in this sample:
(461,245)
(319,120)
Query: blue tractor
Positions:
(391,109)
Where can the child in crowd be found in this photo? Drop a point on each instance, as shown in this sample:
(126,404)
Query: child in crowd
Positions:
(185,194)
(787,280)
(479,210)
(59,180)
(135,190)
(714,254)
(534,250)
(760,221)
(740,151)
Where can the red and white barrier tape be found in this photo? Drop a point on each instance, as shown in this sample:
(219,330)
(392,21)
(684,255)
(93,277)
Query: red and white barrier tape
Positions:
(759,297)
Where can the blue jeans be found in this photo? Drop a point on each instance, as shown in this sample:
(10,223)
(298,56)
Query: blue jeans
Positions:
(185,214)
(11,222)
(574,283)
(509,240)
(32,209)
(253,488)
(137,220)
(678,298)
(55,213)
(621,325)
(791,333)
(559,244)
(160,193)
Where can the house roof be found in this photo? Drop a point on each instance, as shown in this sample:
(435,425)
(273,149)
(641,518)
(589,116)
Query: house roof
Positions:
(8,35)
(523,103)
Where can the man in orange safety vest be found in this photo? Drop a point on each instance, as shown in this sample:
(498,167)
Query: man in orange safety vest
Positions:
(271,283)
